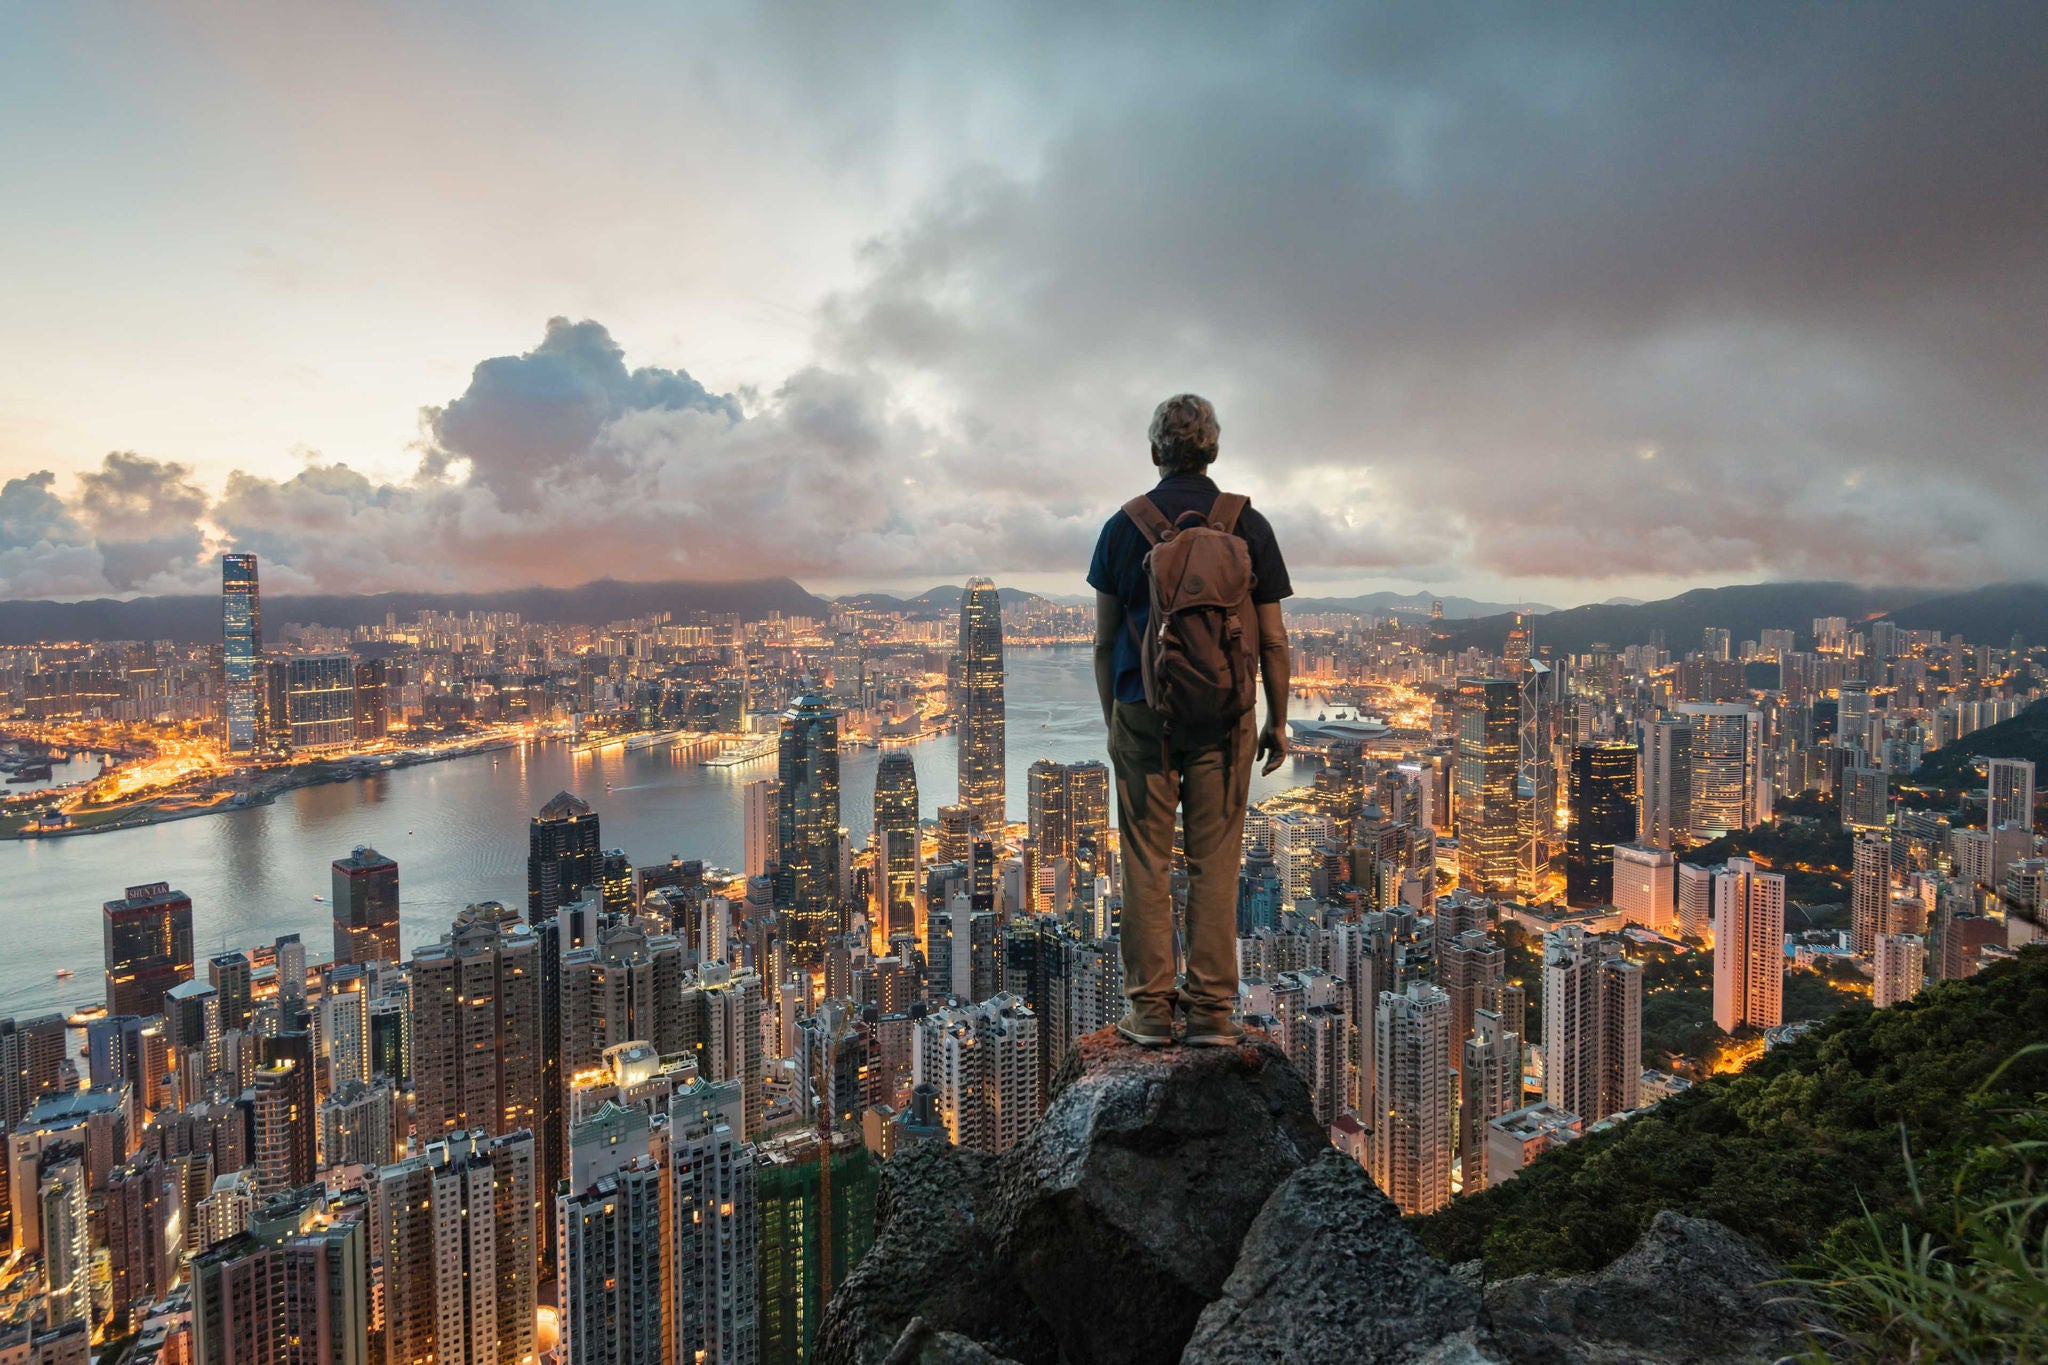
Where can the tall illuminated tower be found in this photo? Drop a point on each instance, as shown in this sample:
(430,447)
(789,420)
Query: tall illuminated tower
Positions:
(896,826)
(1603,799)
(561,855)
(1489,754)
(807,829)
(241,652)
(981,711)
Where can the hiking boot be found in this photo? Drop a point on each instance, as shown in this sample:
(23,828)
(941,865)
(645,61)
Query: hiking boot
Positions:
(1213,1028)
(1147,1025)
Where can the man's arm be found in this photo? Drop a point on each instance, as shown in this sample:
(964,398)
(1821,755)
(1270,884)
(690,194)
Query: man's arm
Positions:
(1275,665)
(1109,619)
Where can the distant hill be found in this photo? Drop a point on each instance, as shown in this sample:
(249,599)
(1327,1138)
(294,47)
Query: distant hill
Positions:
(940,601)
(197,618)
(1952,767)
(1988,616)
(1744,611)
(1413,604)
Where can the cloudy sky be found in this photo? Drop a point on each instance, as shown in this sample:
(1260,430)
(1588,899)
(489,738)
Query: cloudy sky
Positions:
(1548,302)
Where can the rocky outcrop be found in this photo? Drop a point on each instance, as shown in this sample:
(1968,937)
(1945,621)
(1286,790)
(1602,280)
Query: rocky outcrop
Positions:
(1183,1205)
(1329,1276)
(1122,1213)
(934,1261)
(1689,1292)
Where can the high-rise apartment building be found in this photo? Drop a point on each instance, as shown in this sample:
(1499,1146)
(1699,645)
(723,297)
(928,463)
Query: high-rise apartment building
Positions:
(241,612)
(1592,1025)
(807,833)
(365,906)
(147,944)
(452,1231)
(31,1064)
(897,840)
(1725,751)
(1900,969)
(561,855)
(1471,968)
(981,746)
(1749,947)
(1488,758)
(1412,1141)
(1870,892)
(1603,814)
(372,700)
(715,1239)
(626,987)
(1489,1085)
(477,1042)
(727,1008)
(982,1061)
(294,1286)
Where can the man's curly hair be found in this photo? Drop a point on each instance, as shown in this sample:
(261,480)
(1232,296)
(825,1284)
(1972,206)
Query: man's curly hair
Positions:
(1184,434)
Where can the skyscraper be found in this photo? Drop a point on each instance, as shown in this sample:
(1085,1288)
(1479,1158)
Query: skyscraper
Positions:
(807,842)
(982,1060)
(758,830)
(1603,806)
(477,1028)
(1666,785)
(147,947)
(2010,793)
(561,855)
(365,907)
(1749,947)
(1412,1141)
(981,705)
(295,1286)
(1489,1085)
(454,1230)
(896,828)
(1870,892)
(241,639)
(1489,715)
(320,701)
(1592,1025)
(1050,821)
(1724,767)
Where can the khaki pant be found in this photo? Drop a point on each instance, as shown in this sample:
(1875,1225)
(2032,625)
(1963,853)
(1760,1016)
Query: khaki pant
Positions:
(1207,779)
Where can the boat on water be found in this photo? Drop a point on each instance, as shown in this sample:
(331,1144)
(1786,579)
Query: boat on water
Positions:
(65,973)
(1324,731)
(320,900)
(79,1018)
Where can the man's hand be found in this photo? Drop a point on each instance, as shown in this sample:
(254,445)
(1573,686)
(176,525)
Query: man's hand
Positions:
(1272,747)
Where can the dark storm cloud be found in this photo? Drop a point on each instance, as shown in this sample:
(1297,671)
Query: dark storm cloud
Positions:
(1469,275)
(1573,293)
(527,418)
(144,515)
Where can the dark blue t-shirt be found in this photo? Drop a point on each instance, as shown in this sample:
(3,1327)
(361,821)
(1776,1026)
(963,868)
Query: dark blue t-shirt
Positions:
(1119,565)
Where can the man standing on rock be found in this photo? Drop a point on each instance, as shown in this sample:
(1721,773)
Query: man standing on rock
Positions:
(1188,582)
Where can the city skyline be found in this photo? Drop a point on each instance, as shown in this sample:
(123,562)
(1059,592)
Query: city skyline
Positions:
(1423,265)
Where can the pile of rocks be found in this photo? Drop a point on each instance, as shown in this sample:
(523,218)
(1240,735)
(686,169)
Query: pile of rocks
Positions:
(1183,1205)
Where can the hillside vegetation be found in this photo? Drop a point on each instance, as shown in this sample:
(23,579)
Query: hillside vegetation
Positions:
(1953,766)
(1791,1151)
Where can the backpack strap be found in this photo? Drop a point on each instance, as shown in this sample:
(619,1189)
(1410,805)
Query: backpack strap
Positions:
(1150,521)
(1229,507)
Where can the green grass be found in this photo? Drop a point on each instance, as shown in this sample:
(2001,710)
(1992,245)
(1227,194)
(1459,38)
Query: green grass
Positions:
(1966,1277)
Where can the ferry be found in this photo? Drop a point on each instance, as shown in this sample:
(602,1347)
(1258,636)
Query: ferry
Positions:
(79,1018)
(1322,730)
(319,900)
(65,973)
